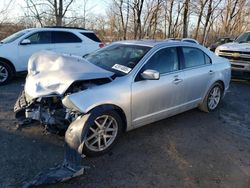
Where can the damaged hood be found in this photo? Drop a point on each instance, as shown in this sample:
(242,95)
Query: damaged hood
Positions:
(52,73)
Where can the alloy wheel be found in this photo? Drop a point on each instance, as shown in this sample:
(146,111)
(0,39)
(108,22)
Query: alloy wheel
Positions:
(102,133)
(214,97)
(3,73)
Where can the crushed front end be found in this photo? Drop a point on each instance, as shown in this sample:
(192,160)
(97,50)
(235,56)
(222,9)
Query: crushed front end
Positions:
(51,77)
(48,110)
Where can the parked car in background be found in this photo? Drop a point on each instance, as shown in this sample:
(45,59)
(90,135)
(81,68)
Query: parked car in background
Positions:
(219,42)
(16,49)
(238,53)
(119,88)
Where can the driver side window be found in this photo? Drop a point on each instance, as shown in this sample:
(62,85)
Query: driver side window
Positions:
(163,61)
(43,37)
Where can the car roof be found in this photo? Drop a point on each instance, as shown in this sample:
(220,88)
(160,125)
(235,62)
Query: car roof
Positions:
(153,43)
(60,29)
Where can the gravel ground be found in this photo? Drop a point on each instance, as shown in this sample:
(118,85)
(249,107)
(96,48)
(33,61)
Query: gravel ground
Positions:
(192,149)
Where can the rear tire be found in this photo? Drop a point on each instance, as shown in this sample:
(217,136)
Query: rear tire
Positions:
(213,98)
(6,73)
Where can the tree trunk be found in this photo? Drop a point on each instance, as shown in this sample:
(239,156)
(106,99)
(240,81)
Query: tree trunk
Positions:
(203,4)
(170,18)
(59,13)
(185,19)
(209,13)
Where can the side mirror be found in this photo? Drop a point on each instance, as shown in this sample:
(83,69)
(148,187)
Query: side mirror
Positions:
(25,42)
(150,75)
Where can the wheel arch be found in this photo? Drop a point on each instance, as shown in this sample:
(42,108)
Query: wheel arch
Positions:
(210,86)
(203,104)
(212,83)
(9,63)
(107,107)
(221,83)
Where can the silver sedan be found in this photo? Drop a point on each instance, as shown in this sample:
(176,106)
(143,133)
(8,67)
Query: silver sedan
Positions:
(150,81)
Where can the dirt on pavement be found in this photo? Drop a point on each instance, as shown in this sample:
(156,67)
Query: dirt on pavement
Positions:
(192,149)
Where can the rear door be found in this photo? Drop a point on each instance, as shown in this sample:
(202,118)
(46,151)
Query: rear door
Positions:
(68,42)
(198,72)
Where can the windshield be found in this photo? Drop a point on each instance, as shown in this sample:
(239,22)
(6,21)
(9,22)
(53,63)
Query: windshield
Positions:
(243,38)
(118,58)
(221,41)
(14,36)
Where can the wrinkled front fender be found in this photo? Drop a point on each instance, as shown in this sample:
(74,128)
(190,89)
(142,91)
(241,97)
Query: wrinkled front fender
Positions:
(78,129)
(75,133)
(115,93)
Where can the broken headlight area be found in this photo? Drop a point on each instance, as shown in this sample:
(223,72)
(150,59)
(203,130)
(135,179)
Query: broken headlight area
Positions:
(48,110)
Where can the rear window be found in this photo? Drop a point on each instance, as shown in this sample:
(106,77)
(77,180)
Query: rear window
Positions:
(194,57)
(91,36)
(65,37)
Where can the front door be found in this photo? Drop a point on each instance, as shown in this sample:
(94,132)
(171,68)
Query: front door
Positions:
(39,41)
(153,100)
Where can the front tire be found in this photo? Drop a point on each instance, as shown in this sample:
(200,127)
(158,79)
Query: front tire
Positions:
(102,133)
(6,73)
(213,98)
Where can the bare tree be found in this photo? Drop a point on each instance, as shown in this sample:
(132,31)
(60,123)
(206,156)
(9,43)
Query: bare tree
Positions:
(155,17)
(209,13)
(210,17)
(201,6)
(170,17)
(230,16)
(36,13)
(5,10)
(59,9)
(112,24)
(85,2)
(44,10)
(137,6)
(123,7)
(176,30)
(151,18)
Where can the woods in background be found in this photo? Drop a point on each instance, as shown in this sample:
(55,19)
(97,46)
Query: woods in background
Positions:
(204,20)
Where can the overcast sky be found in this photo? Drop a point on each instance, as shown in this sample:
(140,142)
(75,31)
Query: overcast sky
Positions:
(16,6)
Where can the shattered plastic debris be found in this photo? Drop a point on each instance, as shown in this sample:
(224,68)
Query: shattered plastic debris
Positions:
(70,168)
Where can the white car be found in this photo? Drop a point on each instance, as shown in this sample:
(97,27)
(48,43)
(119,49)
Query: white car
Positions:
(16,49)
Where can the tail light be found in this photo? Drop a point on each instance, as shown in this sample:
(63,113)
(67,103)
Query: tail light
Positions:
(101,45)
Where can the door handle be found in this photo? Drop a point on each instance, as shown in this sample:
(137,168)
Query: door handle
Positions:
(177,80)
(211,72)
